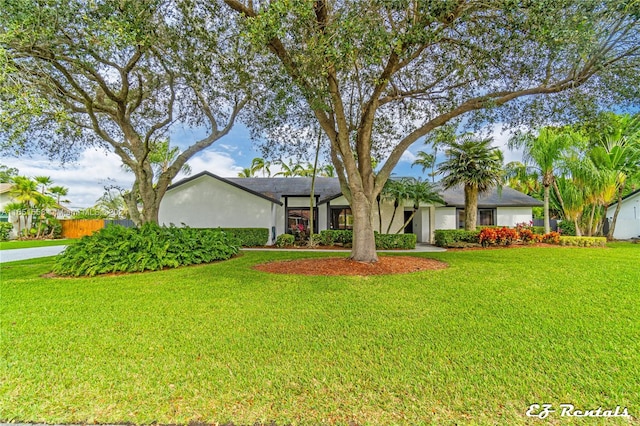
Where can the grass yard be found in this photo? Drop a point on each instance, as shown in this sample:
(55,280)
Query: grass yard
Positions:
(15,244)
(476,343)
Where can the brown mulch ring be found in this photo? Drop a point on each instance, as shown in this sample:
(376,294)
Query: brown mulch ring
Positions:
(385,265)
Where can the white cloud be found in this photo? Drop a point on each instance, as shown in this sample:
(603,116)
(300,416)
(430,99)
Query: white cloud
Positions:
(218,163)
(95,169)
(408,157)
(85,177)
(501,139)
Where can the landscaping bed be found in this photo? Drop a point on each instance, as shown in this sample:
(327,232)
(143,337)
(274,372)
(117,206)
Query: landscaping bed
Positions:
(345,266)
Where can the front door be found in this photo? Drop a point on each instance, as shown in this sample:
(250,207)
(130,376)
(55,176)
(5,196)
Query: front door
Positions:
(408,229)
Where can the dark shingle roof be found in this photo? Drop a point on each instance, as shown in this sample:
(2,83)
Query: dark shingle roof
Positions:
(293,186)
(327,189)
(493,198)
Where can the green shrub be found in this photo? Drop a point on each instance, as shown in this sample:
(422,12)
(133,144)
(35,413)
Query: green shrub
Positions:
(249,237)
(329,237)
(538,230)
(583,241)
(567,227)
(447,237)
(149,248)
(5,229)
(395,241)
(285,240)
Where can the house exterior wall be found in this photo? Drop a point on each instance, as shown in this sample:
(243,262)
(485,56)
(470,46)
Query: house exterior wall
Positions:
(446,218)
(509,216)
(628,221)
(209,203)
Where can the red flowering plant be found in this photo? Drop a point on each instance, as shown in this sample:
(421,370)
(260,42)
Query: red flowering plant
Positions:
(507,235)
(488,236)
(526,235)
(551,238)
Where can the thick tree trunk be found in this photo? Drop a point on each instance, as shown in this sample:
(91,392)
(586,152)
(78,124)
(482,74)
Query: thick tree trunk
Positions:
(547,225)
(364,242)
(471,207)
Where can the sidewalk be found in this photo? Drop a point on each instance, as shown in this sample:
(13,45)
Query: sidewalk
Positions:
(29,253)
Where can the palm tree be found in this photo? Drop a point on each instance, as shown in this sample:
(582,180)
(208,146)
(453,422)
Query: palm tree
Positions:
(328,171)
(476,165)
(542,154)
(245,173)
(618,157)
(163,155)
(289,169)
(18,209)
(259,164)
(396,191)
(419,192)
(58,192)
(45,181)
(25,191)
(425,161)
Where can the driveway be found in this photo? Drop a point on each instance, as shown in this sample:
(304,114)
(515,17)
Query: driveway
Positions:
(29,253)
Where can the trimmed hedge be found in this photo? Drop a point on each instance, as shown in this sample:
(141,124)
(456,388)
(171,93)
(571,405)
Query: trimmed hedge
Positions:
(395,241)
(148,248)
(330,237)
(447,237)
(249,237)
(583,241)
(285,240)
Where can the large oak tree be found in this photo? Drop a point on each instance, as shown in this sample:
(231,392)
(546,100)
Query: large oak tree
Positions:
(382,74)
(117,74)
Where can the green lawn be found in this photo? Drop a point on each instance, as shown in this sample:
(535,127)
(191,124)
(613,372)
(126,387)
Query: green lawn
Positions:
(10,245)
(476,343)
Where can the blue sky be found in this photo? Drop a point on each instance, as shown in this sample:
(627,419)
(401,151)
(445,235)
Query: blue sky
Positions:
(95,169)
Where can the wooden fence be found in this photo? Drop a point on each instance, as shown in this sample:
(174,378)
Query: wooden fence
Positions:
(77,228)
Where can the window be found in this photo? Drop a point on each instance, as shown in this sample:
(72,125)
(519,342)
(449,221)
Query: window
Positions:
(486,217)
(298,221)
(341,218)
(4,217)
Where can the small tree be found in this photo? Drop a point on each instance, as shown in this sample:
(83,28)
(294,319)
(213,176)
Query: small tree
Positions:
(474,164)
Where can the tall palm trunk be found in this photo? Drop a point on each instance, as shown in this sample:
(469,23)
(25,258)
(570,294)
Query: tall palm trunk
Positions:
(471,207)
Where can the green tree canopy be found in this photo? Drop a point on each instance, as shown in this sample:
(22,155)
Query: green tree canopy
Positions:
(378,76)
(119,75)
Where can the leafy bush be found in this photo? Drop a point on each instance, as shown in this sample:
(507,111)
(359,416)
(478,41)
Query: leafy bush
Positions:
(395,241)
(447,237)
(583,241)
(329,237)
(151,247)
(249,237)
(285,240)
(567,227)
(5,229)
(551,238)
(538,230)
(500,236)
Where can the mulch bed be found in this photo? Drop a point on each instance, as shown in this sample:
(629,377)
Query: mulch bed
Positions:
(385,265)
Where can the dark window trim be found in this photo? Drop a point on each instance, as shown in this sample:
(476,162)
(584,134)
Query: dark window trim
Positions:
(494,216)
(338,207)
(286,218)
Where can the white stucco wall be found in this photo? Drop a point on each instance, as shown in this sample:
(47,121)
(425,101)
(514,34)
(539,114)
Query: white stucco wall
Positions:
(628,221)
(446,218)
(207,202)
(510,216)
